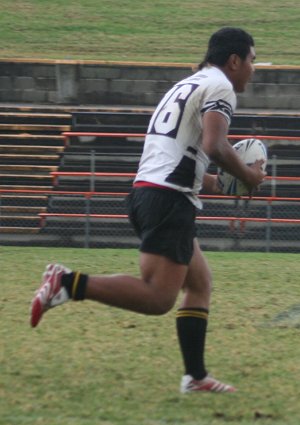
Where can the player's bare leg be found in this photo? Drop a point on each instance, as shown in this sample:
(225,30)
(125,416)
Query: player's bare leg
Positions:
(192,318)
(154,293)
(198,281)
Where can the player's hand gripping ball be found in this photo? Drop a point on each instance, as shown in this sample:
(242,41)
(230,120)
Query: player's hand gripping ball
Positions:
(249,150)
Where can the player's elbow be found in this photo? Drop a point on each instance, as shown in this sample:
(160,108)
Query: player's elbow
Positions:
(213,151)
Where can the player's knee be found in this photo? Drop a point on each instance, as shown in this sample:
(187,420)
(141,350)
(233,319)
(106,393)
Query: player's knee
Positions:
(163,305)
(209,283)
(203,285)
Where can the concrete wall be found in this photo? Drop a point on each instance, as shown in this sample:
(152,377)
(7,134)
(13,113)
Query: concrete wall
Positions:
(103,83)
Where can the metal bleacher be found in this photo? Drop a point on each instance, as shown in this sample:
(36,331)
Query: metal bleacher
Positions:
(73,202)
(86,149)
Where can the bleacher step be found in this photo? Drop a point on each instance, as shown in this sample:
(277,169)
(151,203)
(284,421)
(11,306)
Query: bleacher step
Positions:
(29,168)
(25,136)
(22,230)
(21,210)
(28,158)
(30,149)
(35,118)
(26,176)
(26,187)
(34,127)
(12,218)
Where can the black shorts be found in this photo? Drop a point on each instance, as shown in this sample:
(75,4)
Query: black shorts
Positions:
(164,220)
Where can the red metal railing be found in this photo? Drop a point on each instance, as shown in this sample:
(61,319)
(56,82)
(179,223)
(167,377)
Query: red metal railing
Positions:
(43,215)
(68,134)
(57,174)
(89,194)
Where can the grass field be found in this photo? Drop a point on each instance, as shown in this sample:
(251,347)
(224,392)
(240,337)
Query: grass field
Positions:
(151,30)
(88,364)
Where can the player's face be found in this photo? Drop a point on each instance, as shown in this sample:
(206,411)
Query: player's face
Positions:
(244,72)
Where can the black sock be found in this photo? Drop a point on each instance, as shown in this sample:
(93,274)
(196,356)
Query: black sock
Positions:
(191,326)
(75,284)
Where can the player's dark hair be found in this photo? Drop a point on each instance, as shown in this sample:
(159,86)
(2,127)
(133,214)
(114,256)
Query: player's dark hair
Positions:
(225,42)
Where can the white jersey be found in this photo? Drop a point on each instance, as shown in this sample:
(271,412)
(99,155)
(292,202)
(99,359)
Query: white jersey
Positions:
(173,155)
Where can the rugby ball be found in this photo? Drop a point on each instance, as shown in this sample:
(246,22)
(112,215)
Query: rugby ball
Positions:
(249,150)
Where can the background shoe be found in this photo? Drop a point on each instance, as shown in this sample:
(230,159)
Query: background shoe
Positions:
(189,384)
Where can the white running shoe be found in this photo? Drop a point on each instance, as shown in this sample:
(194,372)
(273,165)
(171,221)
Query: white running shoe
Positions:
(50,293)
(189,384)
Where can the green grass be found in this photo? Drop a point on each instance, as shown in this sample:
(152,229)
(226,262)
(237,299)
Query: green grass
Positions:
(150,30)
(88,364)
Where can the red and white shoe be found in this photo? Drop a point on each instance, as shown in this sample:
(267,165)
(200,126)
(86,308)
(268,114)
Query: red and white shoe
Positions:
(50,293)
(189,384)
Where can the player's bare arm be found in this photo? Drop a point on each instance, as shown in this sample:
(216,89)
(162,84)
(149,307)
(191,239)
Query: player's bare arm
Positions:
(211,184)
(220,151)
